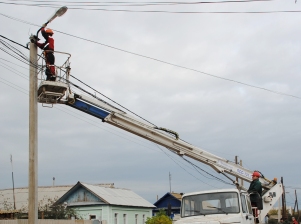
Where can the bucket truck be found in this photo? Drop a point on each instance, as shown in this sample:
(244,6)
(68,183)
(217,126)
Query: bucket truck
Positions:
(215,206)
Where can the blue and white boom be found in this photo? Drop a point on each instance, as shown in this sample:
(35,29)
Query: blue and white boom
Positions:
(59,92)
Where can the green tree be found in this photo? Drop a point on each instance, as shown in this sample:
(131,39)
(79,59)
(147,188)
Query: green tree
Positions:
(159,218)
(49,211)
(5,204)
(46,210)
(273,212)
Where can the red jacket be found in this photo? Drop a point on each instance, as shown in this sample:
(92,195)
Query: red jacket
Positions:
(49,41)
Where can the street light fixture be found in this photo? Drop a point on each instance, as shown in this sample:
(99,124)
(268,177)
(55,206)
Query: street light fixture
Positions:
(61,11)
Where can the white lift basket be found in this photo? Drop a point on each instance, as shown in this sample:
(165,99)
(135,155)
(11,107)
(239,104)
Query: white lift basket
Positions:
(53,92)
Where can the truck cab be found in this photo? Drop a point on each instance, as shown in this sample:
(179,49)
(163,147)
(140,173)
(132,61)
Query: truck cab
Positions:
(216,207)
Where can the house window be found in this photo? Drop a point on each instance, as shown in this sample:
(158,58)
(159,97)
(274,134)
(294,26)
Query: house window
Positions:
(124,218)
(92,217)
(136,218)
(116,218)
(143,219)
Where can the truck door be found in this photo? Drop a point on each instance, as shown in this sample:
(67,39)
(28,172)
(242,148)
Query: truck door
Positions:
(247,214)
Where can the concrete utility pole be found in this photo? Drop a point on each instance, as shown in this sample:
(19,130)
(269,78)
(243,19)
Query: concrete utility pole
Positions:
(33,137)
(33,125)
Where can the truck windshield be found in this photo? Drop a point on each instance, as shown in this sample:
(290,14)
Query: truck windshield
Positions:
(211,203)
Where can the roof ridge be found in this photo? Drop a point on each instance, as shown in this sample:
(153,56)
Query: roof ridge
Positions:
(48,186)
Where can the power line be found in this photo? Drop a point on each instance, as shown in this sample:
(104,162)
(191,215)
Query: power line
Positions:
(191,12)
(161,61)
(195,166)
(136,142)
(13,63)
(109,99)
(166,3)
(12,85)
(290,187)
(122,4)
(142,118)
(14,52)
(180,66)
(79,118)
(12,70)
(14,42)
(145,2)
(184,168)
(173,12)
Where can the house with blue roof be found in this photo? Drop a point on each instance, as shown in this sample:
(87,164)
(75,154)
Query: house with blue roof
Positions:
(170,202)
(107,204)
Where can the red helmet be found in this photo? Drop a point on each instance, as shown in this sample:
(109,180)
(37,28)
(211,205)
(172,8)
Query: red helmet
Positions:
(49,31)
(256,174)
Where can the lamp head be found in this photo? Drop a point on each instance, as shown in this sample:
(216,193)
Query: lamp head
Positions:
(61,11)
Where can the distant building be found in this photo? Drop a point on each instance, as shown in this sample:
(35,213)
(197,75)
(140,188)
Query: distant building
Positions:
(169,202)
(21,196)
(111,205)
(8,214)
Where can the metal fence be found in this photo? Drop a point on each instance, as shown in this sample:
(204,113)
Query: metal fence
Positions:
(46,221)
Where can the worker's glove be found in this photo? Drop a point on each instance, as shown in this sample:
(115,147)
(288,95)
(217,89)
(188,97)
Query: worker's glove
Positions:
(44,25)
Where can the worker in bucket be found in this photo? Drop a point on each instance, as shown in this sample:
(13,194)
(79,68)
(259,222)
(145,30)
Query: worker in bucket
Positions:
(294,221)
(48,47)
(255,191)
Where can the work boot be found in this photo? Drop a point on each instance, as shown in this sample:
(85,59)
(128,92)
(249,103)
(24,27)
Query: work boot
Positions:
(52,78)
(48,74)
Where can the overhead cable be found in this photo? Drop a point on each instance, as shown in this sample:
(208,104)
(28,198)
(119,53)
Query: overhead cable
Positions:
(125,4)
(111,100)
(172,12)
(194,165)
(13,41)
(163,11)
(110,131)
(161,61)
(142,2)
(184,168)
(20,54)
(180,66)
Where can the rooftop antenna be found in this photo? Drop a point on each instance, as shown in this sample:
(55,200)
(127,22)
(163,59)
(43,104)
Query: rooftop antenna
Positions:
(169,182)
(12,177)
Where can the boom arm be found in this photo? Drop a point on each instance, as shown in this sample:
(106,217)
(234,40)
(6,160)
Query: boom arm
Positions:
(120,119)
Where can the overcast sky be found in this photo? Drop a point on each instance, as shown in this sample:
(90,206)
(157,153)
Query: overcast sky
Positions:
(225,118)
